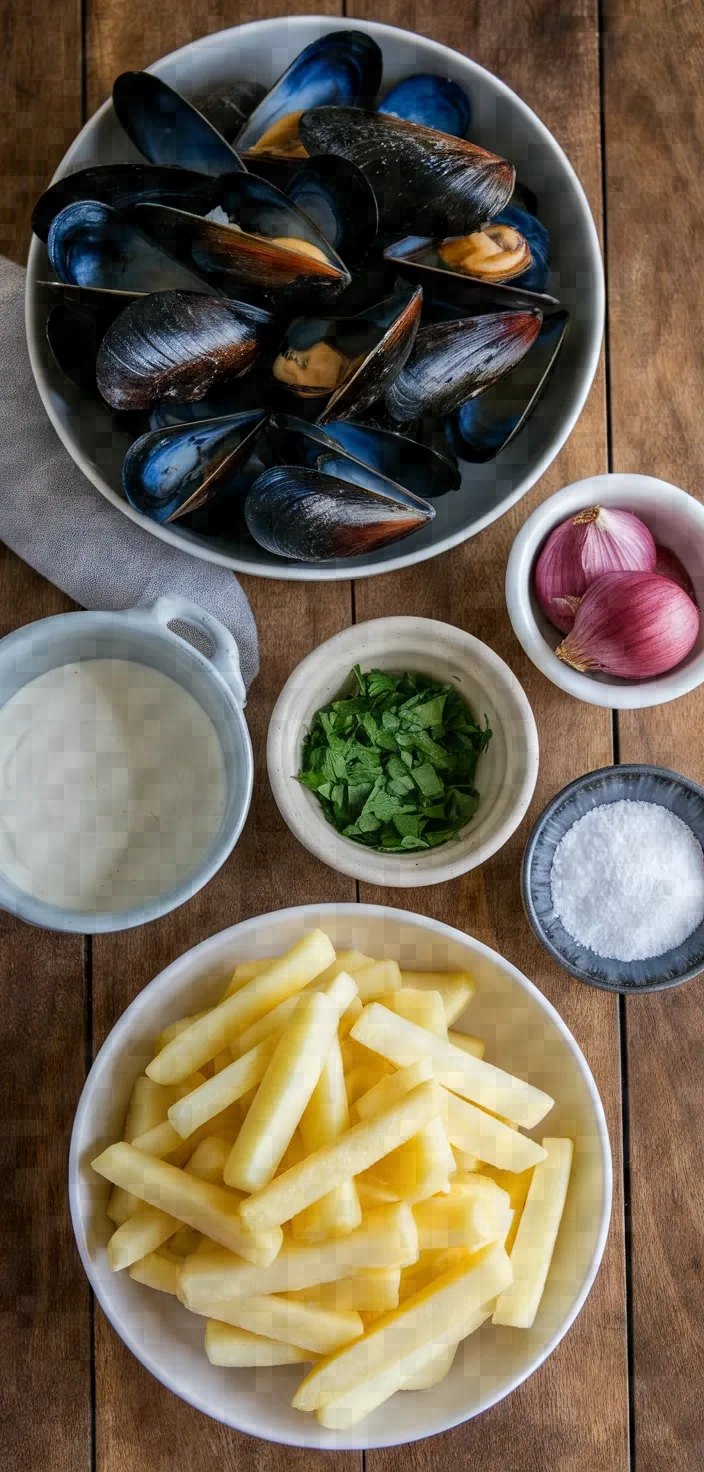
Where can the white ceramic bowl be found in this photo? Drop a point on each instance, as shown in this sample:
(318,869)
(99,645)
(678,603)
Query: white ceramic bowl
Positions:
(260,51)
(145,635)
(523,1033)
(676,521)
(506,772)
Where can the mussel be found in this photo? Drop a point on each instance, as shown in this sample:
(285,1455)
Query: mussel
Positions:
(249,235)
(170,472)
(474,270)
(334,194)
(119,185)
(341,68)
(537,276)
(91,245)
(167,129)
(227,107)
(434,102)
(312,516)
(453,361)
(439,184)
(417,468)
(176,345)
(487,424)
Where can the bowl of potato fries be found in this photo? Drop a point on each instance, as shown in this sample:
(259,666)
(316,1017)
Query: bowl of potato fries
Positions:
(340,1177)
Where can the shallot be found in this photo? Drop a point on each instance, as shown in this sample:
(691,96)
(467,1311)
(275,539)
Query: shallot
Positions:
(594,542)
(632,624)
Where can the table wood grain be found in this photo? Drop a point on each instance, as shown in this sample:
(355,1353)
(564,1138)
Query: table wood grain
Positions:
(620,87)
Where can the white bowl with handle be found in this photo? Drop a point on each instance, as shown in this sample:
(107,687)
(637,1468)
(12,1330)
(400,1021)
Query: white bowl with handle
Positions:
(523,1034)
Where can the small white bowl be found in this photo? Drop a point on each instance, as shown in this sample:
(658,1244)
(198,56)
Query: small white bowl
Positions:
(523,1033)
(506,772)
(676,521)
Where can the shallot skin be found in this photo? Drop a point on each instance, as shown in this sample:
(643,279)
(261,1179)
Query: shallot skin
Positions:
(595,541)
(632,624)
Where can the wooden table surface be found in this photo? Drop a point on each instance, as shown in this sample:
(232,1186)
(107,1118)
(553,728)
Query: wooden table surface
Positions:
(620,86)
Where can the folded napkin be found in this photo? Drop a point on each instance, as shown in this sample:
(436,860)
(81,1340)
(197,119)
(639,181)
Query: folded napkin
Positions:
(53,517)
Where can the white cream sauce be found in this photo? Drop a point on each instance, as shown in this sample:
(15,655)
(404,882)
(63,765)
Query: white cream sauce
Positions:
(112,785)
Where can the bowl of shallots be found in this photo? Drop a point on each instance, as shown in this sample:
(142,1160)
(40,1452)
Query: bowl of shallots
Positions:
(604,587)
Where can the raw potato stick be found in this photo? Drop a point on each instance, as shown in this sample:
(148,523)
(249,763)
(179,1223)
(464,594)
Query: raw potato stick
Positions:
(461,1219)
(387,1238)
(378,977)
(209,1209)
(356,1150)
(372,1291)
(318,1329)
(419,1168)
(209,1157)
(419,1370)
(441,1311)
(237,1348)
(480,1134)
(392,1087)
(455,987)
(203,1039)
(157,1270)
(291,1075)
(536,1236)
(325,1117)
(223,1089)
(146,1229)
(472,1078)
(467,1043)
(426,1009)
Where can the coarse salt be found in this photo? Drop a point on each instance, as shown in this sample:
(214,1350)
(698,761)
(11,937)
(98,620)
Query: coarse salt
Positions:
(627,881)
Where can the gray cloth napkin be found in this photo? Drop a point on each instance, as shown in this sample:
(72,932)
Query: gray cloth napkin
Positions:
(53,517)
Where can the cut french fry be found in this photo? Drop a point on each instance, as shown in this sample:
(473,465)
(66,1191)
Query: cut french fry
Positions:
(441,1312)
(463,1160)
(417,1371)
(455,987)
(420,1167)
(437,1363)
(537,1233)
(387,1238)
(146,1229)
(160,1141)
(287,1085)
(392,1087)
(517,1186)
(244,972)
(374,1193)
(237,1348)
(470,1077)
(373,1291)
(349,1017)
(467,1043)
(481,1134)
(120,1206)
(310,1327)
(174,1030)
(350,961)
(184,1242)
(376,978)
(209,1209)
(354,1152)
(148,1107)
(325,1117)
(354,1055)
(431,1264)
(203,1039)
(461,1219)
(218,1093)
(209,1158)
(158,1270)
(425,1008)
(277,1018)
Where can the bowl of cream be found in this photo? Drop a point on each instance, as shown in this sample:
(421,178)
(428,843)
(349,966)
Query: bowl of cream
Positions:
(125,764)
(613,878)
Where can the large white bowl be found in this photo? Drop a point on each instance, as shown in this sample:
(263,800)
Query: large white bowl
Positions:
(523,1033)
(501,122)
(676,521)
(506,772)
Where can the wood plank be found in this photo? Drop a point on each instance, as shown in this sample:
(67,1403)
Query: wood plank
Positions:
(574,1413)
(655,134)
(40,85)
(44,1324)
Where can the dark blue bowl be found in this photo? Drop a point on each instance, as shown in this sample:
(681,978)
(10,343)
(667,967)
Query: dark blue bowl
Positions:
(639,783)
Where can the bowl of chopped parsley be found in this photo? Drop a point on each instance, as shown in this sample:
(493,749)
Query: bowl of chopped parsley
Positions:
(402,752)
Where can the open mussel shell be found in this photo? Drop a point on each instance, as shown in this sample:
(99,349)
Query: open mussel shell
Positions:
(394,324)
(335,195)
(119,185)
(227,107)
(419,469)
(170,472)
(421,178)
(528,225)
(177,345)
(453,361)
(485,425)
(342,68)
(246,244)
(434,102)
(167,129)
(295,511)
(418,259)
(91,245)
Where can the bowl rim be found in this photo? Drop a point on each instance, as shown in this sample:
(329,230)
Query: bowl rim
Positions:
(347,857)
(239,932)
(615,770)
(319,572)
(47,916)
(609,488)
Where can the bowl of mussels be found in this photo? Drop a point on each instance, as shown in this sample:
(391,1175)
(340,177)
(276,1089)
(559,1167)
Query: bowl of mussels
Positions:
(314,301)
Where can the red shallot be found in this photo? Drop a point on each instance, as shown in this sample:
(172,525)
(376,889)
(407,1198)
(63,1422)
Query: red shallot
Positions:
(593,542)
(632,624)
(668,565)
